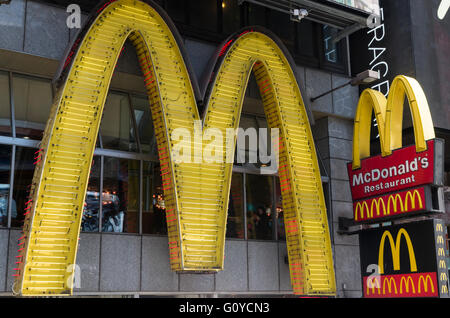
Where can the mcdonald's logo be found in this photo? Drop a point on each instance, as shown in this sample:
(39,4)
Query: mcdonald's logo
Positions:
(442,264)
(402,285)
(71,132)
(389,282)
(425,281)
(394,199)
(439,227)
(440,239)
(444,289)
(389,117)
(406,281)
(389,205)
(441,251)
(395,249)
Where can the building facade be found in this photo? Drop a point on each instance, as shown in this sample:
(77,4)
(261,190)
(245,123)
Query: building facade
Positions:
(123,246)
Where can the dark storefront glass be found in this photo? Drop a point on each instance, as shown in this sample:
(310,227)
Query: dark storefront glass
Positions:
(259,206)
(231,12)
(89,223)
(153,212)
(306,39)
(203,14)
(5,168)
(32,103)
(235,221)
(279,211)
(120,197)
(23,176)
(116,127)
(5,108)
(144,124)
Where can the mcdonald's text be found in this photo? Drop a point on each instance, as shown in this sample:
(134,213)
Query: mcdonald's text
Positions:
(405,168)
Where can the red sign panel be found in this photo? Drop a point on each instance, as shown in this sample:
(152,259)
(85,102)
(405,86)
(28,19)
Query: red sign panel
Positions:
(388,205)
(402,285)
(404,168)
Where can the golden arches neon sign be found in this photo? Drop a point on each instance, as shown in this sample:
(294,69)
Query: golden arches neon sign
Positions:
(389,117)
(388,205)
(395,250)
(196,194)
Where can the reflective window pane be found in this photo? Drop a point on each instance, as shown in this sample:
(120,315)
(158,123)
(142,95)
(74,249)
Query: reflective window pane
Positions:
(235,221)
(144,124)
(32,103)
(330,47)
(5,168)
(89,223)
(120,197)
(116,127)
(5,108)
(23,175)
(259,191)
(153,217)
(279,211)
(203,14)
(231,13)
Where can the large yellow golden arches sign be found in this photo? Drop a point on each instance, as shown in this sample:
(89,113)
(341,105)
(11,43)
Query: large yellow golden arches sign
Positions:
(196,193)
(389,117)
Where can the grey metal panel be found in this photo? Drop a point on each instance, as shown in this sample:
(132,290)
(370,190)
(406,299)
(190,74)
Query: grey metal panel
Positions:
(88,260)
(120,263)
(196,282)
(439,159)
(341,128)
(345,99)
(156,274)
(342,209)
(4,233)
(340,190)
(263,266)
(234,275)
(338,169)
(46,31)
(12,253)
(285,277)
(318,82)
(347,266)
(344,239)
(340,148)
(199,55)
(12,25)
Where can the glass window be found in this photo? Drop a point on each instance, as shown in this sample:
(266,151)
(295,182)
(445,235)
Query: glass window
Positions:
(235,221)
(256,15)
(89,223)
(32,103)
(231,13)
(5,107)
(247,146)
(5,168)
(153,212)
(330,48)
(279,211)
(120,197)
(203,14)
(23,176)
(259,191)
(306,39)
(281,25)
(116,127)
(176,9)
(144,124)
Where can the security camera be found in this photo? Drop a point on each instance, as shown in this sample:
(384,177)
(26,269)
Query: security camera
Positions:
(298,14)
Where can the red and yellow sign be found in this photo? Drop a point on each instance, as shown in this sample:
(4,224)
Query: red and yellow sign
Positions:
(393,204)
(392,183)
(409,260)
(404,285)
